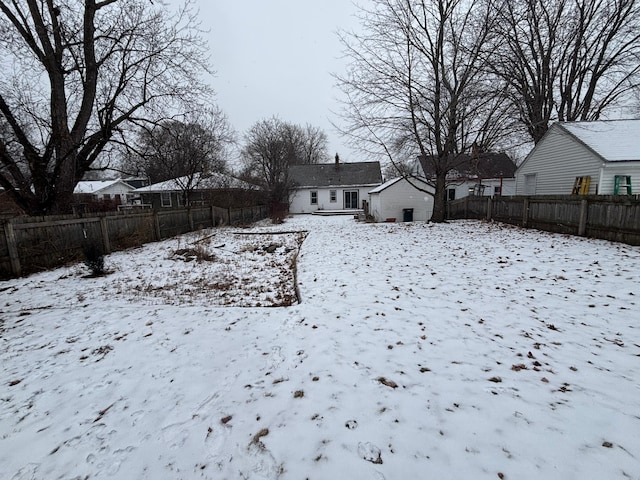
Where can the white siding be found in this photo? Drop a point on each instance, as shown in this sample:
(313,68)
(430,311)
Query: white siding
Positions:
(301,198)
(121,189)
(556,161)
(390,202)
(611,169)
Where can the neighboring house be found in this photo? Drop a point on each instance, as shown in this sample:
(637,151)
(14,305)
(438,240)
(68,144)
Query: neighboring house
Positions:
(401,199)
(601,157)
(332,186)
(8,208)
(216,189)
(483,173)
(115,190)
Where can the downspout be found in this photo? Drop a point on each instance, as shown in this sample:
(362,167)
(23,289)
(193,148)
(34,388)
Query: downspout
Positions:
(600,180)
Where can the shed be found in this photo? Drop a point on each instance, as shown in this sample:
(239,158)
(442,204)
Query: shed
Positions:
(397,198)
(601,157)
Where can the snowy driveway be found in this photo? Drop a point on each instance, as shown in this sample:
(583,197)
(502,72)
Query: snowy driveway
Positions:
(466,350)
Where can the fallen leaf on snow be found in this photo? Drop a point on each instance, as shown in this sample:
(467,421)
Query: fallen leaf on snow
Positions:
(388,383)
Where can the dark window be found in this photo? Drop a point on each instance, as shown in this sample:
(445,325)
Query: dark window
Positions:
(451,194)
(165,199)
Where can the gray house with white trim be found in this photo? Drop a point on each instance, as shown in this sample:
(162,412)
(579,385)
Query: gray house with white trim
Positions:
(601,157)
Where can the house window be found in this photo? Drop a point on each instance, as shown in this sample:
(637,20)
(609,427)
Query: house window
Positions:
(314,197)
(451,194)
(530,184)
(497,190)
(333,196)
(165,199)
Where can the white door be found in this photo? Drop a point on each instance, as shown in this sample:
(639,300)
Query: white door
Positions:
(530,184)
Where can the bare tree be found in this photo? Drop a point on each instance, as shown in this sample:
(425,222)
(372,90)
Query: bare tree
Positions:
(187,151)
(526,58)
(566,59)
(83,73)
(313,146)
(415,87)
(271,146)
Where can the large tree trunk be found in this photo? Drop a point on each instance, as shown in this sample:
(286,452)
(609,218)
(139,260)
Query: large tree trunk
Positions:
(439,199)
(50,137)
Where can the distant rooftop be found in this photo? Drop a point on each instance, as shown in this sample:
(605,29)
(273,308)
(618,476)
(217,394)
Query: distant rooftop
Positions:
(484,165)
(94,186)
(212,181)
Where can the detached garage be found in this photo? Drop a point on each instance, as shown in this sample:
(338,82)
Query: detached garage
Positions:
(401,199)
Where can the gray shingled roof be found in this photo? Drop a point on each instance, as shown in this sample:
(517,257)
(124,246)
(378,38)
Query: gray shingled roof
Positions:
(485,165)
(340,175)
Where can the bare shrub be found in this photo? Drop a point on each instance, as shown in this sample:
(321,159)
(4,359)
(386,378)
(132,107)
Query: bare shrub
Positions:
(94,258)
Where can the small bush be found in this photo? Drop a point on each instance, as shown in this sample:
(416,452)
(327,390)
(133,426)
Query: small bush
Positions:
(94,258)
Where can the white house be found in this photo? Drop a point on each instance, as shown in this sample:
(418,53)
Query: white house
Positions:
(483,173)
(601,157)
(105,189)
(401,199)
(332,186)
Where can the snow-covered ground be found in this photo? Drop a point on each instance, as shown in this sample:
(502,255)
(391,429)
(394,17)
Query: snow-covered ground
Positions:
(458,351)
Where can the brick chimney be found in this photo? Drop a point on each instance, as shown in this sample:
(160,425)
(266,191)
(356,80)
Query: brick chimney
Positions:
(337,162)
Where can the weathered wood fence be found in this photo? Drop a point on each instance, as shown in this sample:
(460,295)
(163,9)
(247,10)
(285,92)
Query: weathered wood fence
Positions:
(30,244)
(608,217)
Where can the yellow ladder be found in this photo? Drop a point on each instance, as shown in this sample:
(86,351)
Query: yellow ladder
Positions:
(581,186)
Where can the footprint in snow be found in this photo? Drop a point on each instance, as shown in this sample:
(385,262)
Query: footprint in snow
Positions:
(27,473)
(275,358)
(369,452)
(263,464)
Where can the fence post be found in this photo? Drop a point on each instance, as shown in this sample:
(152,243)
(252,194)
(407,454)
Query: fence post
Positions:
(156,226)
(104,230)
(14,257)
(525,212)
(582,226)
(213,216)
(190,219)
(489,208)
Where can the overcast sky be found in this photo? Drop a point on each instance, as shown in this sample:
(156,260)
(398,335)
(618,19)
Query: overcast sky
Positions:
(276,57)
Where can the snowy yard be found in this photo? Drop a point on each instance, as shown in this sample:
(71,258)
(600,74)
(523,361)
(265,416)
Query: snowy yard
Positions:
(459,351)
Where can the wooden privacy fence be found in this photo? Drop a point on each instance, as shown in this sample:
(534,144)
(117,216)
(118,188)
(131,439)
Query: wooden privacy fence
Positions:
(30,244)
(608,217)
